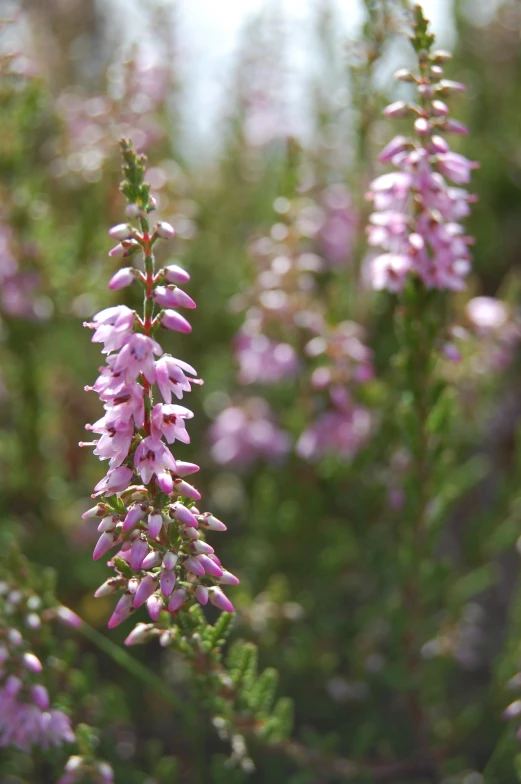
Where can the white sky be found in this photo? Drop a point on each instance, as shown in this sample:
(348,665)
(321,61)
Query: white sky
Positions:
(209,32)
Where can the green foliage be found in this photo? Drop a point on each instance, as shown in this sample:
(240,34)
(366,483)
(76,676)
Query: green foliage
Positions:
(380,596)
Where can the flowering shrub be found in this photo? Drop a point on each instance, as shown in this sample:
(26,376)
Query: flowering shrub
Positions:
(357,328)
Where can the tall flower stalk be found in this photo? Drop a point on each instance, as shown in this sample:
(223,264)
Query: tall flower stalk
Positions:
(425,254)
(146,506)
(417,212)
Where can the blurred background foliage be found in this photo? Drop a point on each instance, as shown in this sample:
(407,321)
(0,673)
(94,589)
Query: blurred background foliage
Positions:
(315,544)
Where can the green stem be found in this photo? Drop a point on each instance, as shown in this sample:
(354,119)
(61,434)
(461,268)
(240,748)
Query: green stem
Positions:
(123,659)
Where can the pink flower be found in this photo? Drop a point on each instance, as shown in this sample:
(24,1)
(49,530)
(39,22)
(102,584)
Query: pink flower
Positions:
(168,421)
(389,271)
(153,457)
(416,212)
(112,326)
(171,378)
(134,435)
(456,167)
(117,479)
(136,356)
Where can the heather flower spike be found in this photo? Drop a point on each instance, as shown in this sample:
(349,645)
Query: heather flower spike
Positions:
(145,507)
(418,207)
(27,716)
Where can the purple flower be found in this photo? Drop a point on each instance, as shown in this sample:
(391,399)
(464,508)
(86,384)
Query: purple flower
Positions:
(136,356)
(241,434)
(169,420)
(416,215)
(153,457)
(26,716)
(264,360)
(170,377)
(112,326)
(134,434)
(340,432)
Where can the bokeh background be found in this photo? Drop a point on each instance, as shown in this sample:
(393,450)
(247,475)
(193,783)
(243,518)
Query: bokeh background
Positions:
(240,107)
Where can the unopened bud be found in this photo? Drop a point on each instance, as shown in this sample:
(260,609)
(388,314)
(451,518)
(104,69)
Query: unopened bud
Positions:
(121,232)
(165,230)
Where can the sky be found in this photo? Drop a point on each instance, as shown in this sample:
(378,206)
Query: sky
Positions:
(210,32)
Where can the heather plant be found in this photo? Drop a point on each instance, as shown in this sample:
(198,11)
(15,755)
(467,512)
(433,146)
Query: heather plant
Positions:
(356,431)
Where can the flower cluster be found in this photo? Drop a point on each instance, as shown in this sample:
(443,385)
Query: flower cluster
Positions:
(244,432)
(489,341)
(417,213)
(344,426)
(146,506)
(286,334)
(26,716)
(19,284)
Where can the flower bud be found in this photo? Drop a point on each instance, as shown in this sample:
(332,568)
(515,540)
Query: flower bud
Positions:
(140,633)
(32,662)
(395,146)
(146,588)
(121,232)
(185,469)
(95,511)
(201,547)
(227,578)
(439,144)
(177,600)
(448,86)
(69,617)
(220,600)
(155,523)
(209,566)
(403,75)
(133,517)
(151,560)
(184,515)
(132,211)
(118,251)
(201,594)
(513,710)
(174,321)
(109,586)
(439,108)
(454,126)
(138,551)
(165,230)
(190,533)
(154,606)
(421,126)
(426,91)
(183,488)
(103,545)
(167,582)
(212,523)
(175,274)
(122,278)
(191,564)
(397,109)
(40,696)
(440,56)
(169,560)
(173,298)
(107,524)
